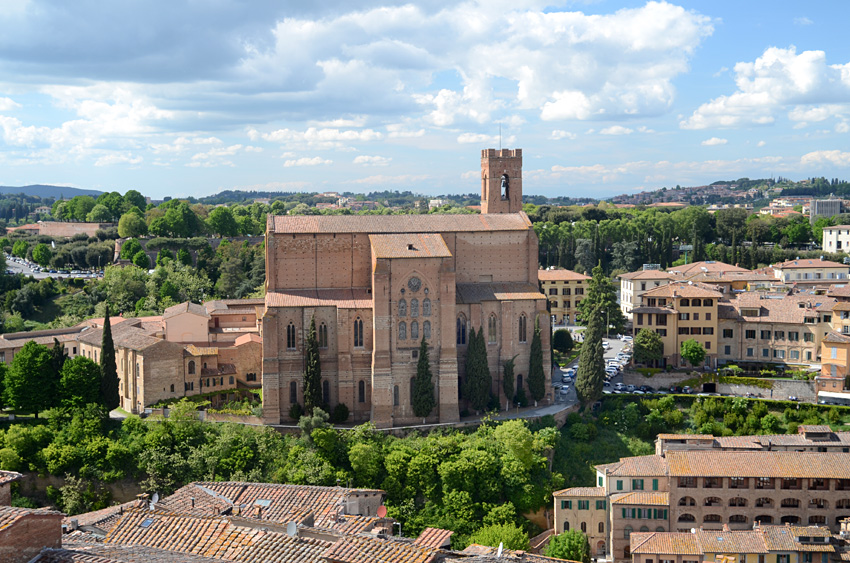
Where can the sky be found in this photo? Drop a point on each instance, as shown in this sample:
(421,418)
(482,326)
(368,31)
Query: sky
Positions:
(188,98)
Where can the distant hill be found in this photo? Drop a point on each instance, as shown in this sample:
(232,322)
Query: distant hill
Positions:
(45,191)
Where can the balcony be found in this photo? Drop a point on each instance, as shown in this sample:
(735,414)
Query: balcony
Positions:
(712,483)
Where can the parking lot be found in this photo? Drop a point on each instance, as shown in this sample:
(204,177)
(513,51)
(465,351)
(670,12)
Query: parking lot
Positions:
(21,266)
(564,378)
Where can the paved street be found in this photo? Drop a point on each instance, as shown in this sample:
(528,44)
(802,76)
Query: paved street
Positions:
(561,400)
(26,269)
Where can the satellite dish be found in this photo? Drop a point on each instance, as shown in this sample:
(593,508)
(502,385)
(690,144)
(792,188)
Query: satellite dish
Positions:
(693,530)
(155,498)
(499,551)
(382,511)
(292,529)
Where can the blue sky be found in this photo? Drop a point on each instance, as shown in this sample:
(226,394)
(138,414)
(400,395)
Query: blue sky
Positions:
(190,98)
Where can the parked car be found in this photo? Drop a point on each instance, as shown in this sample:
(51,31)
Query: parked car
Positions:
(687,390)
(793,398)
(630,388)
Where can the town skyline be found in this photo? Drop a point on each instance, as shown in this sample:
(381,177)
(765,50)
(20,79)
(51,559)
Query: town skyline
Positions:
(615,97)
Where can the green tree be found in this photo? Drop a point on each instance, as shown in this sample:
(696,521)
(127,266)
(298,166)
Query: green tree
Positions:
(99,214)
(508,535)
(163,255)
(222,222)
(109,369)
(571,545)
(20,249)
(129,249)
(78,207)
(648,346)
(30,382)
(562,341)
(42,254)
(124,287)
(132,225)
(601,298)
(141,260)
(58,357)
(133,198)
(312,371)
(536,373)
(184,257)
(80,382)
(693,351)
(591,364)
(423,386)
(509,381)
(477,382)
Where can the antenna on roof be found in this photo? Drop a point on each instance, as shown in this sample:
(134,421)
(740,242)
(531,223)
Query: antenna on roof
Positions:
(154,500)
(499,551)
(292,529)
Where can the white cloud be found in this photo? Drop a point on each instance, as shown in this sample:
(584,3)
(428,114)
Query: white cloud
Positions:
(319,138)
(842,127)
(803,21)
(381,180)
(307,161)
(400,131)
(7,104)
(833,157)
(110,159)
(559,134)
(372,160)
(778,79)
(616,130)
(761,144)
(714,141)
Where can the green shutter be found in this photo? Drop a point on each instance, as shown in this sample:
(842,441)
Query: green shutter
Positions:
(600,480)
(633,513)
(570,504)
(655,514)
(624,513)
(563,505)
(619,485)
(655,484)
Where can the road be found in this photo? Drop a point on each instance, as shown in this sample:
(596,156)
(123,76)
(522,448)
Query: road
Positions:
(616,346)
(27,270)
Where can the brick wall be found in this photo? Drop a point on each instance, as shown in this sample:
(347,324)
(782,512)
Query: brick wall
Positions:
(26,537)
(61,229)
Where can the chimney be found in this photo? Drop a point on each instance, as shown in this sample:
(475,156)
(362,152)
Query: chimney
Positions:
(410,247)
(192,499)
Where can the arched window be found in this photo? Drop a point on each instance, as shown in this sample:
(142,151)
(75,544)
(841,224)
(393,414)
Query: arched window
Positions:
(358,332)
(818,503)
(172,388)
(584,527)
(842,503)
(461,330)
(660,529)
(737,501)
(790,520)
(706,302)
(685,303)
(644,528)
(191,367)
(523,328)
(602,528)
(712,501)
(326,392)
(738,519)
(426,307)
(712,518)
(414,330)
(491,329)
(566,526)
(600,549)
(764,502)
(395,395)
(627,532)
(414,307)
(402,330)
(790,503)
(426,329)
(323,335)
(290,336)
(687,518)
(764,519)
(687,501)
(293,393)
(402,308)
(361,392)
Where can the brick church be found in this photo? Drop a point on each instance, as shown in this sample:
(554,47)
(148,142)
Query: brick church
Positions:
(376,285)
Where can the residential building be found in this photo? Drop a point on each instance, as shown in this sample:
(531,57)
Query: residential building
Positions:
(6,480)
(712,489)
(824,208)
(377,285)
(635,284)
(564,289)
(730,283)
(706,267)
(811,270)
(24,532)
(836,239)
(762,328)
(762,544)
(680,311)
(809,438)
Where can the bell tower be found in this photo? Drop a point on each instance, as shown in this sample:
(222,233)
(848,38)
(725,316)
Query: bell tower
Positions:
(501,181)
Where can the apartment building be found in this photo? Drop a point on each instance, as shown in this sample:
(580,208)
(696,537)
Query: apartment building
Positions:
(836,239)
(773,328)
(681,311)
(707,267)
(811,270)
(710,489)
(635,284)
(762,544)
(564,289)
(824,208)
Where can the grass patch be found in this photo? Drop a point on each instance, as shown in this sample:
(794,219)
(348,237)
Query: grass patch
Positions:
(648,372)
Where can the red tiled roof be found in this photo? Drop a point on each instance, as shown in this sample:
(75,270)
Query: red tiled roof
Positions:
(9,476)
(478,292)
(639,466)
(560,275)
(9,515)
(683,289)
(697,267)
(409,245)
(664,543)
(433,537)
(352,549)
(827,465)
(581,492)
(806,263)
(644,498)
(374,224)
(647,275)
(356,298)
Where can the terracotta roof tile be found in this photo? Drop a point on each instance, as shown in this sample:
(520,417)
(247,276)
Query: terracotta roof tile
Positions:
(781,309)
(647,275)
(785,538)
(9,476)
(9,515)
(409,245)
(352,549)
(581,492)
(560,275)
(356,298)
(806,263)
(374,224)
(646,498)
(739,541)
(683,289)
(639,466)
(433,537)
(186,307)
(828,465)
(664,543)
(697,267)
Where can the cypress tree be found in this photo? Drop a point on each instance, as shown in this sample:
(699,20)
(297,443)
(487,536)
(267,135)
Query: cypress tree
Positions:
(423,386)
(58,355)
(536,376)
(591,364)
(509,382)
(477,384)
(109,370)
(312,372)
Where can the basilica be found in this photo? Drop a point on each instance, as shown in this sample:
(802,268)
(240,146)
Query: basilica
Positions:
(376,285)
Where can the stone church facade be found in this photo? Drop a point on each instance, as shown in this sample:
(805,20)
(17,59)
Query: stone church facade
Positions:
(376,285)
